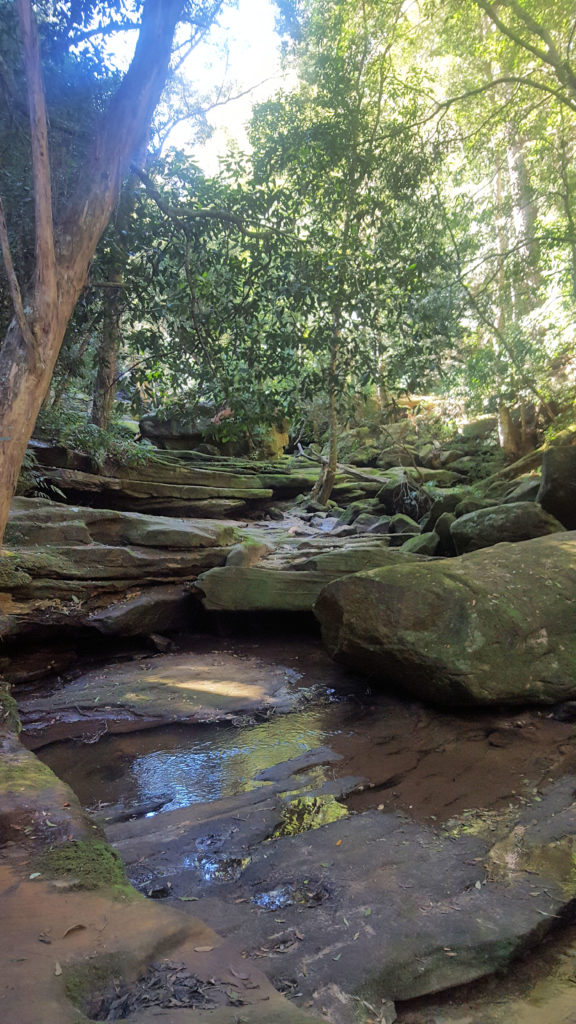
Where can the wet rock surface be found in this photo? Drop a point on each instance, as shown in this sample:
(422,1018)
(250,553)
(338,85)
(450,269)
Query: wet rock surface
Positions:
(404,909)
(79,944)
(390,904)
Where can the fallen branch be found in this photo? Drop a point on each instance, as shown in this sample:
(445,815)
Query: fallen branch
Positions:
(529,461)
(357,474)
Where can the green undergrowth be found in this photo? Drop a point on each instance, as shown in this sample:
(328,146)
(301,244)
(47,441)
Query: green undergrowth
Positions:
(91,864)
(309,812)
(72,430)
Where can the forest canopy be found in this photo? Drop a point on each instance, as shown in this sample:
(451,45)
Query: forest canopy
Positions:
(402,220)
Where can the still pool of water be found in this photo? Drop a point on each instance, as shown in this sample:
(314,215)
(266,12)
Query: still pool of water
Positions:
(194,765)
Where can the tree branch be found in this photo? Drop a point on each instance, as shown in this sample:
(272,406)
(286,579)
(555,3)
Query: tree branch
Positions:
(183,216)
(549,56)
(508,80)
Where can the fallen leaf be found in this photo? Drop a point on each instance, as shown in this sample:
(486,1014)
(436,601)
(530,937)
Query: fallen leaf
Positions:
(57,969)
(189,899)
(35,874)
(74,928)
(338,842)
(239,974)
(203,949)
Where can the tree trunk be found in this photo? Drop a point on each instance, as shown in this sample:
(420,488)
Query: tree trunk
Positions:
(107,358)
(524,214)
(323,487)
(64,251)
(330,473)
(23,385)
(508,433)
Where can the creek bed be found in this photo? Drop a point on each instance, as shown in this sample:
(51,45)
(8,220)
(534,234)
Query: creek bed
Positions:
(405,756)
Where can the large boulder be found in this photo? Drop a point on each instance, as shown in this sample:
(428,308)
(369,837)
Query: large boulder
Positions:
(492,627)
(557,492)
(522,520)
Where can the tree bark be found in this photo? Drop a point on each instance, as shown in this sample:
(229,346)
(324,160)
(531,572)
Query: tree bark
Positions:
(330,470)
(107,359)
(64,250)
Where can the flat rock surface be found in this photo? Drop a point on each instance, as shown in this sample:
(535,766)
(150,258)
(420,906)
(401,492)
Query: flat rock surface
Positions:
(538,989)
(402,909)
(68,954)
(49,935)
(65,568)
(189,688)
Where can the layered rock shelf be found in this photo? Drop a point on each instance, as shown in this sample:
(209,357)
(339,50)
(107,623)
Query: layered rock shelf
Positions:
(71,569)
(291,579)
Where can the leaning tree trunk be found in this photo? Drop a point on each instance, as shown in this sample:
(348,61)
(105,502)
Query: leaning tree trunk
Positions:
(64,250)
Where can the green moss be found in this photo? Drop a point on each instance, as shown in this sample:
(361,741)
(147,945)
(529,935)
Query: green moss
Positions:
(41,561)
(9,716)
(19,773)
(94,864)
(11,572)
(85,980)
(309,812)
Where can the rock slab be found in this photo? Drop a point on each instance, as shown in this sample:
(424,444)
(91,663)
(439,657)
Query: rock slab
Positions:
(190,688)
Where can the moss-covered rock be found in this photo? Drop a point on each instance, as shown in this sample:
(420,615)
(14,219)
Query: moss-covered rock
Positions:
(521,520)
(33,802)
(9,717)
(309,812)
(89,865)
(494,626)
